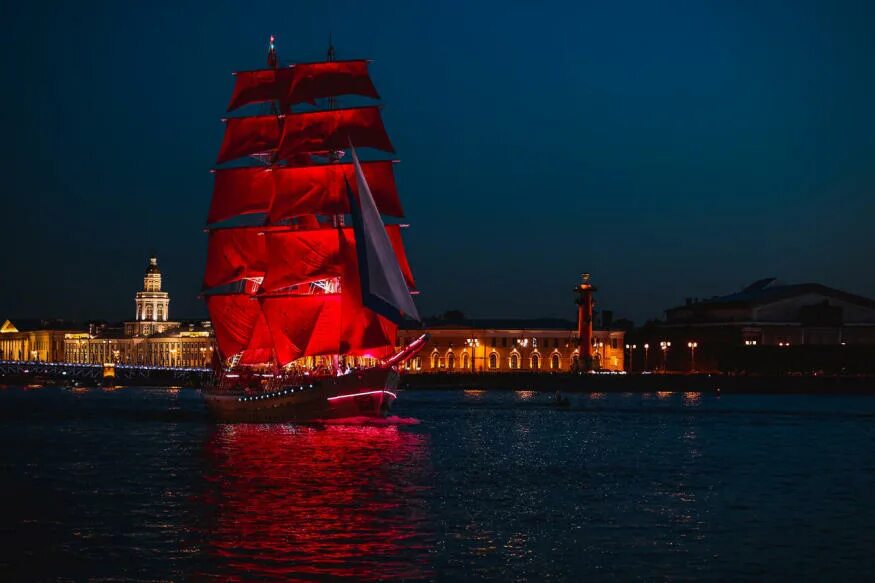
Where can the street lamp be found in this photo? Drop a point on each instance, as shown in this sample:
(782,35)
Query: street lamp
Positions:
(664,345)
(692,346)
(473,343)
(646,350)
(631,348)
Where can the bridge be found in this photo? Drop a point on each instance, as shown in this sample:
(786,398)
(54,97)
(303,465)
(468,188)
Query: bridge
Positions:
(95,372)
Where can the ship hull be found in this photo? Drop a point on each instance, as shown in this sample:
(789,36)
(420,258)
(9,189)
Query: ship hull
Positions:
(365,393)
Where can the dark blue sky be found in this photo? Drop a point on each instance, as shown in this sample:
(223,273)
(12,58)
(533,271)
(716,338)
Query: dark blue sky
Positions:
(670,148)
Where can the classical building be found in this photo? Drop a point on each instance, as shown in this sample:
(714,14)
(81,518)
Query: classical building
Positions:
(151,339)
(33,340)
(549,345)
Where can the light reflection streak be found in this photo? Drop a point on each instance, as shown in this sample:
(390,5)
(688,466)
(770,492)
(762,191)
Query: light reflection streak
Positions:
(335,502)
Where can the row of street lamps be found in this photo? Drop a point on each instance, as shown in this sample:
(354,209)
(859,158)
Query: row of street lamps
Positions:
(664,345)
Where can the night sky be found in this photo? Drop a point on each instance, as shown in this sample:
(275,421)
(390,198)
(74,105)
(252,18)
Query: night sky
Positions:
(671,149)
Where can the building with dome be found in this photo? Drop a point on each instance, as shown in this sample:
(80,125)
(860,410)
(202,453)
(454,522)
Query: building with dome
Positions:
(150,339)
(153,305)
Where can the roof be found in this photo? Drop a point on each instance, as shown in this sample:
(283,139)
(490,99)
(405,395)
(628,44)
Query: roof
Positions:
(767,291)
(34,324)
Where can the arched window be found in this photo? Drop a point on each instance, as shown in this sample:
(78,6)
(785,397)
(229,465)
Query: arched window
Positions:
(417,363)
(466,364)
(514,360)
(434,360)
(451,360)
(575,362)
(493,361)
(554,361)
(536,361)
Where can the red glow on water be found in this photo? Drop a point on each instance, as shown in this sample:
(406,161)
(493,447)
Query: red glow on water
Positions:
(372,421)
(293,502)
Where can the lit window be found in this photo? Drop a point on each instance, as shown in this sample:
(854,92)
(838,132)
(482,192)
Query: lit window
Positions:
(536,362)
(493,361)
(514,361)
(554,362)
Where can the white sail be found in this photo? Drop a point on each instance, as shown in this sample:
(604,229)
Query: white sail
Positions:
(384,289)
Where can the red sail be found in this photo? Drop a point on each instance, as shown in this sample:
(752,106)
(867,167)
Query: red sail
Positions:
(234,254)
(312,81)
(322,190)
(313,325)
(287,192)
(401,253)
(245,136)
(240,327)
(303,256)
(306,325)
(240,191)
(260,86)
(366,333)
(322,131)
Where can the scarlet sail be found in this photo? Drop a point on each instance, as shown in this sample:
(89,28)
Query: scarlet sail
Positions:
(245,136)
(287,192)
(241,191)
(303,133)
(240,327)
(260,86)
(312,81)
(320,190)
(303,256)
(302,83)
(313,325)
(234,254)
(324,131)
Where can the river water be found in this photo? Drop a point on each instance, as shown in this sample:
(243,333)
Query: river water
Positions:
(461,485)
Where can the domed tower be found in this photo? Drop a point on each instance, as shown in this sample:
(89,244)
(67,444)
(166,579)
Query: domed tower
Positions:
(152,303)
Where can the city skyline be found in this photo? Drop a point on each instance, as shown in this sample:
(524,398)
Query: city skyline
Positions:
(672,151)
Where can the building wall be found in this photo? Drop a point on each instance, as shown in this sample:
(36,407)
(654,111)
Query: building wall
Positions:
(788,310)
(450,350)
(42,345)
(182,349)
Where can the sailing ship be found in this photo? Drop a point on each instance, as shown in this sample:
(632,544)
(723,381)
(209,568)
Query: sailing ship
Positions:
(304,282)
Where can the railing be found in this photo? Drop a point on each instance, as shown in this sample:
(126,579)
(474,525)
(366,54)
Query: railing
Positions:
(94,370)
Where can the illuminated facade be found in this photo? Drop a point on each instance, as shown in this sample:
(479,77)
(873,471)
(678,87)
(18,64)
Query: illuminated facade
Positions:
(549,346)
(151,339)
(153,305)
(37,343)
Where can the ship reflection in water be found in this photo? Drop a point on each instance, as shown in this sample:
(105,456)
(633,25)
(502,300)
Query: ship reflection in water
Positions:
(317,502)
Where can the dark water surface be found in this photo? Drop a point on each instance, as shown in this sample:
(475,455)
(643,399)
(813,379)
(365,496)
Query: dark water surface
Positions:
(137,484)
